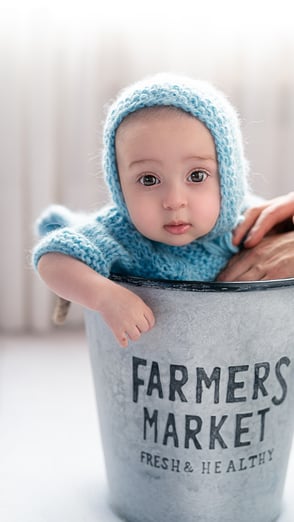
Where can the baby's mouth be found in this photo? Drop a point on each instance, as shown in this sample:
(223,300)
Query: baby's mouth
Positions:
(177,227)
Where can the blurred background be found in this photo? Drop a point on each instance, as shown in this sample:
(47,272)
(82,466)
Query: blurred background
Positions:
(61,64)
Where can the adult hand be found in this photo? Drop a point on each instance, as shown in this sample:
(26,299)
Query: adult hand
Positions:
(268,251)
(275,215)
(272,258)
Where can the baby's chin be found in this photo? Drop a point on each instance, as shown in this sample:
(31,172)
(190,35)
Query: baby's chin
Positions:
(176,241)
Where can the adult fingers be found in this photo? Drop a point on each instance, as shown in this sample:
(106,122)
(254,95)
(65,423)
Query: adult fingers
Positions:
(250,217)
(271,216)
(258,221)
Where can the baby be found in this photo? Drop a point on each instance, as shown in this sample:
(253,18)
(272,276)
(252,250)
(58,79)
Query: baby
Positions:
(174,163)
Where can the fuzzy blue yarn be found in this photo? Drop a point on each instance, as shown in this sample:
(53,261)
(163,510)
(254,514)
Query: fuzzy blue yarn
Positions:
(54,218)
(108,242)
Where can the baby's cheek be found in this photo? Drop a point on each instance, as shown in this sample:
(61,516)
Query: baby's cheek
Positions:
(141,218)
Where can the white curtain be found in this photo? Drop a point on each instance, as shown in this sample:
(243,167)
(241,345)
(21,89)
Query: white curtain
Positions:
(57,75)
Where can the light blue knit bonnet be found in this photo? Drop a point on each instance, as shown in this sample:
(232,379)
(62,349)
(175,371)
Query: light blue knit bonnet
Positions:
(211,107)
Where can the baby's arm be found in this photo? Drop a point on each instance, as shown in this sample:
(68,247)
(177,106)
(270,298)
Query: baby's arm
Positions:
(125,313)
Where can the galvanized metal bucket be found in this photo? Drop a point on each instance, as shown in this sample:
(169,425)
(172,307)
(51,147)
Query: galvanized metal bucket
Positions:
(197,416)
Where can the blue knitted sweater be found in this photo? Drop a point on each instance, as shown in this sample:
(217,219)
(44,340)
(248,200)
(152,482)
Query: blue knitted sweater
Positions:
(108,242)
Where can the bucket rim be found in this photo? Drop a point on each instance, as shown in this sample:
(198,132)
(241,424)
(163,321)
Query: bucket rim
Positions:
(204,286)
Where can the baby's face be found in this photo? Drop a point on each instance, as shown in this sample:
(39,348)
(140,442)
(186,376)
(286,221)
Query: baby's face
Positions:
(169,176)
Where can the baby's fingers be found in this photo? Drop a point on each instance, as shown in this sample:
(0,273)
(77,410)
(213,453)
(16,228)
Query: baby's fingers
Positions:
(132,333)
(134,330)
(122,339)
(143,324)
(150,319)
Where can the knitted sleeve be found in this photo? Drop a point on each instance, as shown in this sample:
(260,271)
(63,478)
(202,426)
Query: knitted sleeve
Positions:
(75,244)
(84,239)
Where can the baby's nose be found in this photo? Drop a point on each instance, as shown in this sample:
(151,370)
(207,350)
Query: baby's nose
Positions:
(174,199)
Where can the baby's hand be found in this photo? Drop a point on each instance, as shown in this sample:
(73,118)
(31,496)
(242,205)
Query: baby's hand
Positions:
(127,315)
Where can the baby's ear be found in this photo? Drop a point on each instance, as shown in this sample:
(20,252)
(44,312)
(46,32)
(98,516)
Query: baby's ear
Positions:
(54,217)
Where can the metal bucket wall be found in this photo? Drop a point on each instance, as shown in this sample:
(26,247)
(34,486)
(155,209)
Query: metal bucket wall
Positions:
(197,416)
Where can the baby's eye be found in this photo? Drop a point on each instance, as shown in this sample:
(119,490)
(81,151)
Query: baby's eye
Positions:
(148,180)
(197,176)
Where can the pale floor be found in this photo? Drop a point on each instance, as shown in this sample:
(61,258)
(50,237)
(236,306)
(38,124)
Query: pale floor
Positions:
(51,462)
